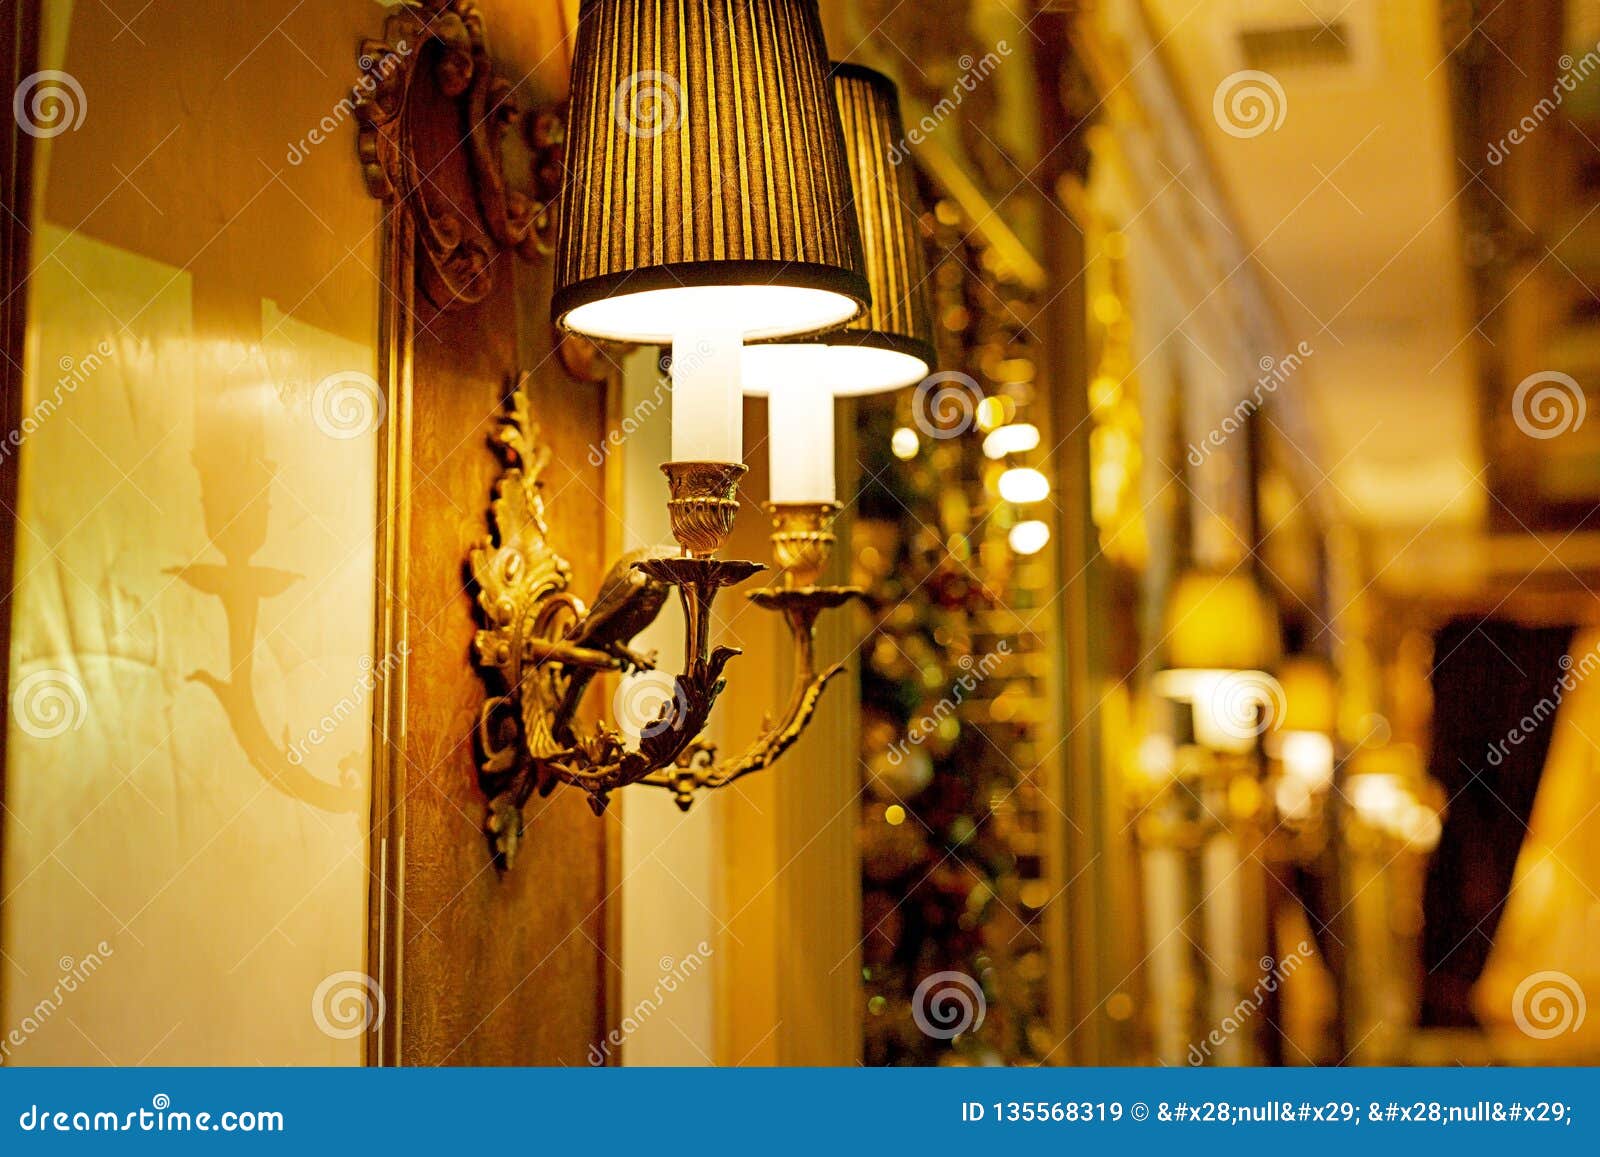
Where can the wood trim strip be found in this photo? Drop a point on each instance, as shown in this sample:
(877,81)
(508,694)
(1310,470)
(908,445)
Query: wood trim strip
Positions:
(386,862)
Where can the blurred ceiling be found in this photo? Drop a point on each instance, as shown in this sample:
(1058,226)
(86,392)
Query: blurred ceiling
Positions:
(1350,208)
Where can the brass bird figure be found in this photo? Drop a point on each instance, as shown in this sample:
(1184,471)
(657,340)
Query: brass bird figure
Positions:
(629,601)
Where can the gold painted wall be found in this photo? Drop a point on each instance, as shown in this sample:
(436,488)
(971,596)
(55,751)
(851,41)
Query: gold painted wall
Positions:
(185,836)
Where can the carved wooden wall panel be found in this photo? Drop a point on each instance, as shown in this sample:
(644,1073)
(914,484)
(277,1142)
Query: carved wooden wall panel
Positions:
(499,968)
(494,967)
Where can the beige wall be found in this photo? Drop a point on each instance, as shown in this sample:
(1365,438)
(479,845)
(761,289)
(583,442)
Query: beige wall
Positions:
(184,866)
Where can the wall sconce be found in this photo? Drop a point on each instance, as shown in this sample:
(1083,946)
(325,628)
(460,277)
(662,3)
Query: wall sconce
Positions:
(1222,634)
(707,203)
(887,348)
(1302,748)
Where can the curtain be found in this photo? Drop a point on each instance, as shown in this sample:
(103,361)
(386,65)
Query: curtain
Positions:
(1496,687)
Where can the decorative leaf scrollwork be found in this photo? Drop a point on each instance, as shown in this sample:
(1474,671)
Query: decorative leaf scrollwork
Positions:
(539,648)
(409,138)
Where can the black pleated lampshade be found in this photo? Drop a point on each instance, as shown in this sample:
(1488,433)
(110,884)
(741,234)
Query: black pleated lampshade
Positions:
(888,207)
(891,345)
(706,176)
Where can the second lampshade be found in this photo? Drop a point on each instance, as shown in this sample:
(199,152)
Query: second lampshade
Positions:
(888,347)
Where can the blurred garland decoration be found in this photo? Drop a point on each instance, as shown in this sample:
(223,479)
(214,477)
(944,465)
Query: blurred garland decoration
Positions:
(954,864)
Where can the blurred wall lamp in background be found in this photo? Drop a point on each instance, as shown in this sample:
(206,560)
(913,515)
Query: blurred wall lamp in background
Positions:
(1302,747)
(1222,640)
(722,186)
(1202,780)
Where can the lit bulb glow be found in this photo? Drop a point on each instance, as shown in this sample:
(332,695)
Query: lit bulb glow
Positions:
(995,411)
(840,370)
(905,443)
(1307,758)
(658,316)
(1379,799)
(1030,537)
(1024,484)
(1017,438)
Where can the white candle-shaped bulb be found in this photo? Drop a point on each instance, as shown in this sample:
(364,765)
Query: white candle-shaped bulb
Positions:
(800,441)
(707,407)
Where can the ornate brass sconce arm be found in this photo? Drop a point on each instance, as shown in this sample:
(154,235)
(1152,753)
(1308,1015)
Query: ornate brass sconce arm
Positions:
(802,541)
(541,647)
